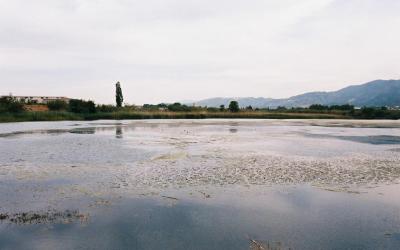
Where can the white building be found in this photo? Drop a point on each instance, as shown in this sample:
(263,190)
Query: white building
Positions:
(40,99)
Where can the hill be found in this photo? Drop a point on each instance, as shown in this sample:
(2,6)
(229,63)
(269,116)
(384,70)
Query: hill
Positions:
(374,94)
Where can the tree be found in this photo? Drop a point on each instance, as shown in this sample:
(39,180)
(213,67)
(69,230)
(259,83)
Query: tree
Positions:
(81,106)
(281,108)
(118,95)
(10,104)
(57,105)
(234,106)
(106,108)
(178,107)
(318,107)
(222,108)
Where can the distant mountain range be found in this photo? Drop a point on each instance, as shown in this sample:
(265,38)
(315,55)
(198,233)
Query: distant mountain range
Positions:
(376,93)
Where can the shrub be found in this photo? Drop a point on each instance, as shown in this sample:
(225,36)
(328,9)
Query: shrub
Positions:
(281,108)
(212,109)
(10,104)
(234,106)
(106,108)
(81,106)
(150,107)
(318,107)
(345,107)
(57,105)
(177,107)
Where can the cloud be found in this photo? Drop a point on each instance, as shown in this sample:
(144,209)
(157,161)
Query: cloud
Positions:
(167,50)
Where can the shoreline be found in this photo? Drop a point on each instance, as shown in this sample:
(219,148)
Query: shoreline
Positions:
(143,115)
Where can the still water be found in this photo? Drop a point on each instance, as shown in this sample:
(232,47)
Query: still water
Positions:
(200,184)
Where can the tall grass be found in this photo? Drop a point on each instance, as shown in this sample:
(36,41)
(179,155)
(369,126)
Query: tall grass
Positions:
(137,115)
(39,116)
(122,114)
(142,114)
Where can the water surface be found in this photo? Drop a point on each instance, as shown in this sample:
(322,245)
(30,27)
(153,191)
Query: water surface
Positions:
(209,184)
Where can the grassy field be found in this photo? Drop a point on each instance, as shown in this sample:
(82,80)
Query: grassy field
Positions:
(121,115)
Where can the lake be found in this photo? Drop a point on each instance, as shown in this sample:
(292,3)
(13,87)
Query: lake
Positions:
(200,184)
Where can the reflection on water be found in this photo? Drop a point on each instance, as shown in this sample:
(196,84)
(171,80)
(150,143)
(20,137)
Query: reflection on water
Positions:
(89,131)
(199,185)
(118,132)
(81,130)
(294,218)
(233,130)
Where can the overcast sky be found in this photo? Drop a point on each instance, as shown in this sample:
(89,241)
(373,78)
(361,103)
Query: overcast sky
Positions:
(173,50)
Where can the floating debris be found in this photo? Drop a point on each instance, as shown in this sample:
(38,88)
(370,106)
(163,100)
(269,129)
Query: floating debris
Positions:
(258,245)
(205,194)
(169,197)
(3,217)
(388,235)
(49,217)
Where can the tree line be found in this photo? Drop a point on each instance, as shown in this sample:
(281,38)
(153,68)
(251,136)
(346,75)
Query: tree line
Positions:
(9,104)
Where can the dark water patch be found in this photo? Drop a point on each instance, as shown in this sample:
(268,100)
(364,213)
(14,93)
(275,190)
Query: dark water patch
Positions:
(233,130)
(375,139)
(368,139)
(351,124)
(34,132)
(107,123)
(80,130)
(88,131)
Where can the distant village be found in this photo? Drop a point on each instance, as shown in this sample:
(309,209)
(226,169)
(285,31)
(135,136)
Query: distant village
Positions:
(40,99)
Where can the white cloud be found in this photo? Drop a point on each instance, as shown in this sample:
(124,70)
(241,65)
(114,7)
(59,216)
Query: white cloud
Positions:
(166,50)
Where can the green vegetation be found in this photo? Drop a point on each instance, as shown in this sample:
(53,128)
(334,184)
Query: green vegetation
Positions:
(81,106)
(39,116)
(57,105)
(120,115)
(177,107)
(345,107)
(106,108)
(13,111)
(9,104)
(119,98)
(234,106)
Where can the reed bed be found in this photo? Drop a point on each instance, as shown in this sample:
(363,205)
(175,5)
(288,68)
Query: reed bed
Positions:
(138,115)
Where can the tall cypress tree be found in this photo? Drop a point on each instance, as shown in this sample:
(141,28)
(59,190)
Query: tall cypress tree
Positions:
(118,95)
